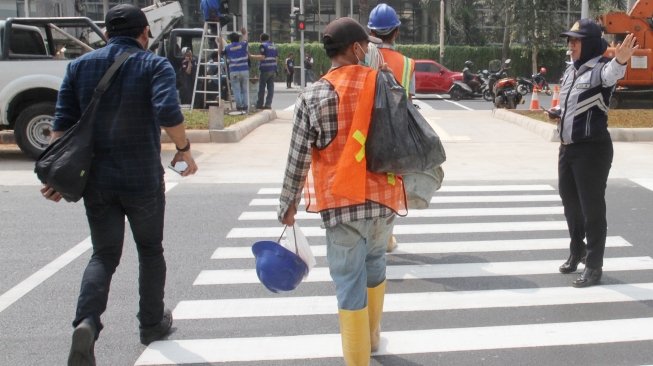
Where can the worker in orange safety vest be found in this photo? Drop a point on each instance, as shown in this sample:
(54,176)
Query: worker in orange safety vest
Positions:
(358,207)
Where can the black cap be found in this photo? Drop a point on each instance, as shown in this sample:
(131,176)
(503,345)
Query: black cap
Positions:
(344,31)
(584,28)
(125,16)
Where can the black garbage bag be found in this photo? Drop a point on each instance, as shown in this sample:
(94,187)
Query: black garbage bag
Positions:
(399,139)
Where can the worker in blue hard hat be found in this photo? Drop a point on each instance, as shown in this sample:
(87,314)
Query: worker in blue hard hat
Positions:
(384,24)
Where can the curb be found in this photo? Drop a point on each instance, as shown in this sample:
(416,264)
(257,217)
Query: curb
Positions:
(550,133)
(230,134)
(233,133)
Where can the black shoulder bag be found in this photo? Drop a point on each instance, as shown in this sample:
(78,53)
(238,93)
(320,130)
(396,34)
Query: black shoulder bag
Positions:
(65,164)
(399,140)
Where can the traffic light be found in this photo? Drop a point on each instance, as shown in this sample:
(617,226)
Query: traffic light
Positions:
(301,22)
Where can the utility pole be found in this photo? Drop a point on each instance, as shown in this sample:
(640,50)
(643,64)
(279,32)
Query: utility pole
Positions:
(442,32)
(27,8)
(585,9)
(302,80)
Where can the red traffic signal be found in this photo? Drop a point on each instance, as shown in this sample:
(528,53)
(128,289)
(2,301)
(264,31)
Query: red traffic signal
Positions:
(301,22)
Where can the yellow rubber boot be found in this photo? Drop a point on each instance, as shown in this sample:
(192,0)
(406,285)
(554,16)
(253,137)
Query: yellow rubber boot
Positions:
(354,331)
(375,296)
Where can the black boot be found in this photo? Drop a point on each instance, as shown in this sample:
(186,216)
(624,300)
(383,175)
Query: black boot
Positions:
(82,350)
(589,277)
(572,263)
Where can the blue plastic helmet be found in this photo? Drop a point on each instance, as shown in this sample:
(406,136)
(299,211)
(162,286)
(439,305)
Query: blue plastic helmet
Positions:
(278,268)
(383,19)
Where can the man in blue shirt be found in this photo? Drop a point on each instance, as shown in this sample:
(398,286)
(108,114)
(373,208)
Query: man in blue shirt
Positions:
(126,176)
(237,53)
(268,70)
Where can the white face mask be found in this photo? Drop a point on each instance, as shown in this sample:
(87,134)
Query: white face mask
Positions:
(366,59)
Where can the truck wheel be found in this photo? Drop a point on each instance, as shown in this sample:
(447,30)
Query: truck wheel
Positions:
(34,127)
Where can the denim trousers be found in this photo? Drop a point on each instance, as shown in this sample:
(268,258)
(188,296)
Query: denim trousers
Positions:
(356,256)
(583,170)
(239,80)
(106,213)
(266,81)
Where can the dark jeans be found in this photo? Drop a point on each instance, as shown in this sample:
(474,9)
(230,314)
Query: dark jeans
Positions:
(266,80)
(106,217)
(289,79)
(583,170)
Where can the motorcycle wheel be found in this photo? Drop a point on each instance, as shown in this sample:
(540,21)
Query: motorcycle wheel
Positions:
(510,103)
(522,89)
(456,94)
(498,102)
(487,95)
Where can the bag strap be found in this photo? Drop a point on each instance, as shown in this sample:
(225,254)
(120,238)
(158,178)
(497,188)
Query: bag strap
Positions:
(106,80)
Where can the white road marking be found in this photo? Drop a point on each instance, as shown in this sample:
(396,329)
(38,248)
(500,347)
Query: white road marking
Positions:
(449,199)
(467,227)
(313,346)
(444,212)
(430,271)
(417,301)
(24,287)
(443,247)
(644,182)
(461,188)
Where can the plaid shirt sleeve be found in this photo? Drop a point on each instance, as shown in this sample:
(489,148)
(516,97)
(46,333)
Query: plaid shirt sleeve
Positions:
(315,125)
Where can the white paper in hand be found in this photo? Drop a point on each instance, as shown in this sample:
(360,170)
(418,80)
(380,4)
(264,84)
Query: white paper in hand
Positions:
(295,236)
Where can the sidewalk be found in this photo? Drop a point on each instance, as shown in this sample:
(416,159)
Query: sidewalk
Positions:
(479,147)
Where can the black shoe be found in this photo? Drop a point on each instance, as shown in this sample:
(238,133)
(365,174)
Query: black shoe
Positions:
(266,107)
(589,277)
(156,332)
(572,263)
(82,349)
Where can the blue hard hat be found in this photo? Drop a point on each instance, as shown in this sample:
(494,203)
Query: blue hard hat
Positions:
(383,19)
(278,268)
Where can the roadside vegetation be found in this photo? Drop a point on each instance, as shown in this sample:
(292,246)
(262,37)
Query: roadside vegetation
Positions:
(618,118)
(198,119)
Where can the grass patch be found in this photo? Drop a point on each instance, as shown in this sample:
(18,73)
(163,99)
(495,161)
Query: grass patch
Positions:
(618,118)
(198,119)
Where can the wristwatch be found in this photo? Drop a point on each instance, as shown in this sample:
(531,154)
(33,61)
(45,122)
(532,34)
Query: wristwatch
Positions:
(184,149)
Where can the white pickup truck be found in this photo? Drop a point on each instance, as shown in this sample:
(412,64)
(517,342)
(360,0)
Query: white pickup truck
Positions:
(34,53)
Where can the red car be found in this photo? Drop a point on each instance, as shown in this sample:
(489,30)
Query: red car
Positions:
(431,77)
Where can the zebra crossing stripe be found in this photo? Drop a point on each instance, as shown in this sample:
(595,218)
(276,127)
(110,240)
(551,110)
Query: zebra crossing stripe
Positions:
(450,199)
(424,271)
(443,247)
(419,301)
(314,346)
(461,188)
(468,227)
(442,212)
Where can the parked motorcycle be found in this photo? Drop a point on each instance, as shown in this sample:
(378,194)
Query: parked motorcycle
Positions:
(506,94)
(488,92)
(526,85)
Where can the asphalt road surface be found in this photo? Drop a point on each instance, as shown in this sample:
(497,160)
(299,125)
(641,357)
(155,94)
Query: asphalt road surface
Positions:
(474,280)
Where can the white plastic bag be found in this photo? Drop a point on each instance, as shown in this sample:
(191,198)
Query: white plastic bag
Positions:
(296,242)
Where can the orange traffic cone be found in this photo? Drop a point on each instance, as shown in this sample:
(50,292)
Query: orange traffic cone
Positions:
(556,97)
(535,99)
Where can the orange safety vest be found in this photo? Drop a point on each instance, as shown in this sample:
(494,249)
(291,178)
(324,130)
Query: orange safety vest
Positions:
(402,67)
(340,175)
